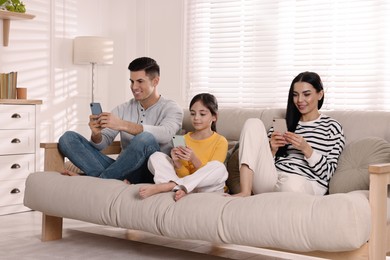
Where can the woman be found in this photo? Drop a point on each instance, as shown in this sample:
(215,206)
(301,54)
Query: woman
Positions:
(304,158)
(199,165)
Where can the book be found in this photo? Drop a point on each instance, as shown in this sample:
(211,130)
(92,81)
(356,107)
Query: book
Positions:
(8,83)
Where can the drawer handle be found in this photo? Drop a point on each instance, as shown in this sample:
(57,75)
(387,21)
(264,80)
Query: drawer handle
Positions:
(16,115)
(15,166)
(15,191)
(15,141)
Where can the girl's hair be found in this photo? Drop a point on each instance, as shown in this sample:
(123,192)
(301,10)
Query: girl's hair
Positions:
(210,102)
(292,113)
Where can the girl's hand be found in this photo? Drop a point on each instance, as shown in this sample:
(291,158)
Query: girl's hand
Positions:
(277,140)
(174,152)
(185,153)
(299,143)
(175,158)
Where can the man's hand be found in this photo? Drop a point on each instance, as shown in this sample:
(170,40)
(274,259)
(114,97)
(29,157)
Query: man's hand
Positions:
(96,128)
(110,121)
(94,124)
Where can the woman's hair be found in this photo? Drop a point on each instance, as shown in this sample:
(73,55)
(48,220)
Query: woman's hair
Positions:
(210,102)
(292,113)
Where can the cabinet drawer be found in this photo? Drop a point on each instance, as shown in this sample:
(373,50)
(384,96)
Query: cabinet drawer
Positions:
(17,141)
(11,192)
(17,116)
(13,167)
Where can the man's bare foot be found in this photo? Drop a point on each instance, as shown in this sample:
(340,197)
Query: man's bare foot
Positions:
(180,194)
(69,173)
(149,190)
(126,181)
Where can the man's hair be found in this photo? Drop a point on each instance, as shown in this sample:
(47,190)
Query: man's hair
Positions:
(147,64)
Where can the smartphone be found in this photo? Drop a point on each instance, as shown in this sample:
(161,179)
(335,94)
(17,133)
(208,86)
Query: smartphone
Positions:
(96,108)
(178,140)
(280,125)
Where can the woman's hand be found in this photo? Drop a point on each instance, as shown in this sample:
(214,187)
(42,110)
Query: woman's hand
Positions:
(277,140)
(299,143)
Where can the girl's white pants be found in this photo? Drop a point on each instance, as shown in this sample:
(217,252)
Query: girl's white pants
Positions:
(209,178)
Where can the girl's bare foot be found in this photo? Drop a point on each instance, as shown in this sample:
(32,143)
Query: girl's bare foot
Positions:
(126,181)
(149,190)
(179,194)
(69,173)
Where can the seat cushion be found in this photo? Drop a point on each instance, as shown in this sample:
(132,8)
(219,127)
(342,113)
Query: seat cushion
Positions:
(290,221)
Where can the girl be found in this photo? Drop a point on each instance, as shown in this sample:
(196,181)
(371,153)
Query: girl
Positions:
(197,167)
(304,158)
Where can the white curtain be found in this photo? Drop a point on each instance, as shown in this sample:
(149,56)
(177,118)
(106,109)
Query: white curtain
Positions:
(247,52)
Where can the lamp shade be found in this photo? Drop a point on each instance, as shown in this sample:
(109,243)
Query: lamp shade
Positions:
(93,49)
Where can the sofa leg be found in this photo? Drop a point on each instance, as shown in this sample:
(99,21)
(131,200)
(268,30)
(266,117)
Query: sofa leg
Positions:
(51,228)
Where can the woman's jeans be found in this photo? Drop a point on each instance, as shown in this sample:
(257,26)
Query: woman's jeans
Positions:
(131,164)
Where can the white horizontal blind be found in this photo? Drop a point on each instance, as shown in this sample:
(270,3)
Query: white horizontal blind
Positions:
(247,52)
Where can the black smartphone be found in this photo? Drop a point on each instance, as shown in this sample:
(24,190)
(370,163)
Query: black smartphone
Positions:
(96,108)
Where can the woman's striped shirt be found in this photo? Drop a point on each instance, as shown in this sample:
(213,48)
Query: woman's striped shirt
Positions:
(325,135)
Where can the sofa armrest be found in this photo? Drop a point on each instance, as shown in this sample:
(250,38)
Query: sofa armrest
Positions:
(380,232)
(54,160)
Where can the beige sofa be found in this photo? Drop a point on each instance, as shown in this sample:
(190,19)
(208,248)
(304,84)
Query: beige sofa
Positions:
(342,225)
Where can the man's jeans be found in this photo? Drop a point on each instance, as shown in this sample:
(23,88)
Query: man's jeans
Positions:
(131,163)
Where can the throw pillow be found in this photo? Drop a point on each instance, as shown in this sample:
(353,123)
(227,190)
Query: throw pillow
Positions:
(232,147)
(352,171)
(233,180)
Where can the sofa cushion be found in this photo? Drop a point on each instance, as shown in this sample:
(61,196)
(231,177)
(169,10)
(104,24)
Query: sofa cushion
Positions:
(298,221)
(352,171)
(233,180)
(290,221)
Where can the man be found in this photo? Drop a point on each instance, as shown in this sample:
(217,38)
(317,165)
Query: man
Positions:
(145,124)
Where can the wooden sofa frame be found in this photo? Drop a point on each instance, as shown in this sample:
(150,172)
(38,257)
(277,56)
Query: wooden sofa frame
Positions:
(375,249)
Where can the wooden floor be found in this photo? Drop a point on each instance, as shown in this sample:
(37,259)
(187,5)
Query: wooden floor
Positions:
(20,239)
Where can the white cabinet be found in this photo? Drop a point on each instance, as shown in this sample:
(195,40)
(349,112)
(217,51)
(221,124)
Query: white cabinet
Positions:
(19,140)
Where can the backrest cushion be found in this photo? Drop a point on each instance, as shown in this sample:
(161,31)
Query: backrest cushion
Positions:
(352,171)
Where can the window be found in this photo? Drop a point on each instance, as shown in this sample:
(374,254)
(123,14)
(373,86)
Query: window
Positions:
(247,52)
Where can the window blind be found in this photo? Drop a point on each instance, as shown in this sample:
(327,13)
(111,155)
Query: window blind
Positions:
(247,52)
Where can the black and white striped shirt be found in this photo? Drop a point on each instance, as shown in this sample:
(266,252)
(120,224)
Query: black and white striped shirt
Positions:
(325,135)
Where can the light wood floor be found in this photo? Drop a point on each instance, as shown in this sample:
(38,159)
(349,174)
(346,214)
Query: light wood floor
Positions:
(20,239)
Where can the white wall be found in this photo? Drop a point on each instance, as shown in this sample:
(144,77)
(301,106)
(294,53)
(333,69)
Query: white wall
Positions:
(41,51)
(149,28)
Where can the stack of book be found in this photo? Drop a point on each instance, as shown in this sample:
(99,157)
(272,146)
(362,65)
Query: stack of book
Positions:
(8,85)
